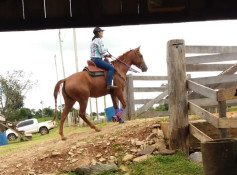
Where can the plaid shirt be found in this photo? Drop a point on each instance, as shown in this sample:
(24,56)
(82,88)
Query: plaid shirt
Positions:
(97,48)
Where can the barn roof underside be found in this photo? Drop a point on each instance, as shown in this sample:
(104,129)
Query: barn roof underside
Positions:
(50,14)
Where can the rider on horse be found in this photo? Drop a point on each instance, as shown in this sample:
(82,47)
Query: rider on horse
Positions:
(98,52)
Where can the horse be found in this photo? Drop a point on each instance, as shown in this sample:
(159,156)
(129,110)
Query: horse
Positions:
(81,85)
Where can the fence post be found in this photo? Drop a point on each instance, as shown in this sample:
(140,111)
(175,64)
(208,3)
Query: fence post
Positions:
(177,91)
(222,113)
(130,96)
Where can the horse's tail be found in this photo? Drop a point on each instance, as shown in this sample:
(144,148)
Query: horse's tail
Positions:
(56,89)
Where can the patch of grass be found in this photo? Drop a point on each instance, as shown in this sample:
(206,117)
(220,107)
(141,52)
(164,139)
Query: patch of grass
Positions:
(232,108)
(118,147)
(17,145)
(166,165)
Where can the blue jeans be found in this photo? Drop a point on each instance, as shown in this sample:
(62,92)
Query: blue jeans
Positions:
(105,65)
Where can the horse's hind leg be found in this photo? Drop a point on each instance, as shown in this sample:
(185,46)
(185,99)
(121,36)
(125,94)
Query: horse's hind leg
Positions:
(82,114)
(66,110)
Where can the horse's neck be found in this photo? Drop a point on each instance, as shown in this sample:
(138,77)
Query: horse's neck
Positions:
(121,67)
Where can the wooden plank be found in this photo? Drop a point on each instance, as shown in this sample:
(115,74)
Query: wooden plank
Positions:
(226,94)
(210,118)
(208,92)
(211,58)
(228,122)
(198,134)
(150,78)
(216,79)
(149,89)
(223,85)
(210,49)
(151,114)
(14,130)
(144,101)
(146,106)
(177,86)
(207,102)
(207,67)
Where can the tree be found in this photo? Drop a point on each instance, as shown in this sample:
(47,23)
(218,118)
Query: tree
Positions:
(13,88)
(48,112)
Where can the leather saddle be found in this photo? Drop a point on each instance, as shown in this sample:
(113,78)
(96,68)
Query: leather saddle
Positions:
(93,70)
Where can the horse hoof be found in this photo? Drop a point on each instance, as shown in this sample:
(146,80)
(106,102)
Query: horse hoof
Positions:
(64,138)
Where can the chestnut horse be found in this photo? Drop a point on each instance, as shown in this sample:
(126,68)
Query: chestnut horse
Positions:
(80,86)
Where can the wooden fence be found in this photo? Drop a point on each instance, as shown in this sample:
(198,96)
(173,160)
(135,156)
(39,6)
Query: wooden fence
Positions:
(190,95)
(218,90)
(147,103)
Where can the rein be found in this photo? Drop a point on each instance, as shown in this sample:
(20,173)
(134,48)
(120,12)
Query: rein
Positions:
(129,67)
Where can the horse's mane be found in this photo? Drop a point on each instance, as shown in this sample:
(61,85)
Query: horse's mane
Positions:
(121,57)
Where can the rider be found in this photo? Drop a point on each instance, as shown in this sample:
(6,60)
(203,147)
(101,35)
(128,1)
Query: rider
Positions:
(98,52)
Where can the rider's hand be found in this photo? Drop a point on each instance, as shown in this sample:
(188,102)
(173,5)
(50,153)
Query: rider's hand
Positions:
(108,56)
(106,59)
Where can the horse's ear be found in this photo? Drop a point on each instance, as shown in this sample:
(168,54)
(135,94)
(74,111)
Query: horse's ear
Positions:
(138,48)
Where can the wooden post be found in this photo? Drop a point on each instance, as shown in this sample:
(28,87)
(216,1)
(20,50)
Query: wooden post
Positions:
(222,113)
(177,91)
(130,96)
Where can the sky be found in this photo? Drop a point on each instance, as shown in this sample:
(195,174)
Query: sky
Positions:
(35,51)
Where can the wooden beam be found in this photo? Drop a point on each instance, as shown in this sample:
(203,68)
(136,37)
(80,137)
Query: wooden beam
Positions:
(207,67)
(210,118)
(216,79)
(177,87)
(210,49)
(149,89)
(227,122)
(208,92)
(150,78)
(146,106)
(198,134)
(144,101)
(207,102)
(211,58)
(226,94)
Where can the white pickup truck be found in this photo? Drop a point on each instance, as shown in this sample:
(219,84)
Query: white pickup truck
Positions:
(30,126)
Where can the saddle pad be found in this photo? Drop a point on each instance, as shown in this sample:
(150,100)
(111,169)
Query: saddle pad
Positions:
(94,71)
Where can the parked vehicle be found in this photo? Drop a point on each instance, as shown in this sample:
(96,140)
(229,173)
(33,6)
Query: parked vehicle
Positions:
(29,127)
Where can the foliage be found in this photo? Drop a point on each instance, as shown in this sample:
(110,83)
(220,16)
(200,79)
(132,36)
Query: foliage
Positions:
(20,114)
(232,108)
(164,107)
(166,165)
(13,88)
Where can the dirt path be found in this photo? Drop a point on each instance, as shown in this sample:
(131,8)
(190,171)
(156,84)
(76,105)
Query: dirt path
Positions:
(79,149)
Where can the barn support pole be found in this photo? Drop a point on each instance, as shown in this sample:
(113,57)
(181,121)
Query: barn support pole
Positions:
(177,91)
(222,113)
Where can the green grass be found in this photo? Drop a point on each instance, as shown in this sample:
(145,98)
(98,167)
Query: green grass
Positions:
(163,165)
(38,138)
(232,108)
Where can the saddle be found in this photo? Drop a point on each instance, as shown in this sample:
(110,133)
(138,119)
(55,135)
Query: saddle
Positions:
(93,70)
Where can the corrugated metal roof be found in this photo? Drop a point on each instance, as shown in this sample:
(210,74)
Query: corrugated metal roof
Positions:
(48,14)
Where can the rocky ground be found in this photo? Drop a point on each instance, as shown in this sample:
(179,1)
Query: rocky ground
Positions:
(116,143)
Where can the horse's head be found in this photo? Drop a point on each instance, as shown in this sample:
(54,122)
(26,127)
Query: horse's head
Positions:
(137,59)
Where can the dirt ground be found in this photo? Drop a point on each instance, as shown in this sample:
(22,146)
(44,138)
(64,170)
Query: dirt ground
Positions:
(79,149)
